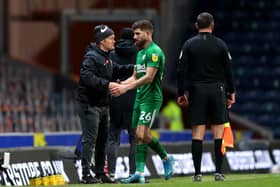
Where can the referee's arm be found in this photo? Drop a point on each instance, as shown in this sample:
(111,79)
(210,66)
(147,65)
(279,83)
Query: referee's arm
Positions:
(228,71)
(229,78)
(181,71)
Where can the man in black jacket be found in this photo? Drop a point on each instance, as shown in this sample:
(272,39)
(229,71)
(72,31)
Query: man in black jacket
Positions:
(121,107)
(205,61)
(96,72)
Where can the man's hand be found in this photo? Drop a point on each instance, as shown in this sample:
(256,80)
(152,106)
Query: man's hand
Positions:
(183,101)
(113,85)
(230,100)
(117,89)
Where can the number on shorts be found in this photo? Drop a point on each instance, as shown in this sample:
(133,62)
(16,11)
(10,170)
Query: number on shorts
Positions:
(145,116)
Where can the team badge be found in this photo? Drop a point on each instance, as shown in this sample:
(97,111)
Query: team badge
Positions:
(154,57)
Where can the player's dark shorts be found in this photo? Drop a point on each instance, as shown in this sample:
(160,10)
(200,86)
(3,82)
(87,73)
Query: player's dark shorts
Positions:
(207,102)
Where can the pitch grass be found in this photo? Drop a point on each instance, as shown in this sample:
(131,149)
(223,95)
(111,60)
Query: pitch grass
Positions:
(234,180)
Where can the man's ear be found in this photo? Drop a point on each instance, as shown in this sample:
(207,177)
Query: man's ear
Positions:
(149,33)
(101,42)
(212,25)
(196,26)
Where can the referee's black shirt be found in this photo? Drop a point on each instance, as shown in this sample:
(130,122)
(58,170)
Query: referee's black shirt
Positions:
(204,58)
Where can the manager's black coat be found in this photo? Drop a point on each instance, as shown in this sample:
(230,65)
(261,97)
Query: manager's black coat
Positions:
(96,71)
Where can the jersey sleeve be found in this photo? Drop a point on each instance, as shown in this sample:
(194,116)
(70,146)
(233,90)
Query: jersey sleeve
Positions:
(154,58)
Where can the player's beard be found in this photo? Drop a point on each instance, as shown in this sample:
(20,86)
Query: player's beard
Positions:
(140,44)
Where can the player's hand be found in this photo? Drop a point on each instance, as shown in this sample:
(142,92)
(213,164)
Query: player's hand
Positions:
(230,100)
(113,85)
(118,90)
(182,101)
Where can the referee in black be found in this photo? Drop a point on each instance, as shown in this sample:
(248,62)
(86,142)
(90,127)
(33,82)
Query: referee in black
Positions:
(205,73)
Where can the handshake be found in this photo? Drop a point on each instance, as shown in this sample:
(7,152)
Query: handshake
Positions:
(117,89)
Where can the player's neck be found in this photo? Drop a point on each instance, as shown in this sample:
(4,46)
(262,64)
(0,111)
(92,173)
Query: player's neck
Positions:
(147,43)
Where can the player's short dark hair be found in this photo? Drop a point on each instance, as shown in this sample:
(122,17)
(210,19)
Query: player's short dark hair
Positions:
(204,20)
(143,25)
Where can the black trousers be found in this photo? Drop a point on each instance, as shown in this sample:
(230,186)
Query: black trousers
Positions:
(114,144)
(95,126)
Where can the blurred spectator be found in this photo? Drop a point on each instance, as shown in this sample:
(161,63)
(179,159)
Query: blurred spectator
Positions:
(27,103)
(172,115)
(121,107)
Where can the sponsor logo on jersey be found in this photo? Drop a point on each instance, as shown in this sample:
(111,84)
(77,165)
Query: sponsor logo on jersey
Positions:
(141,68)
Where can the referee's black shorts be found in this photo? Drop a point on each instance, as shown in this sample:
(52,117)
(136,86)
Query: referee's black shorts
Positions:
(207,102)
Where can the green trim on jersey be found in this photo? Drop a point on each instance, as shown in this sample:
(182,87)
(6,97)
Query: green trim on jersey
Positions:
(151,56)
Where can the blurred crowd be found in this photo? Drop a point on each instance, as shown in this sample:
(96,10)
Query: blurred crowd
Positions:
(28,102)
